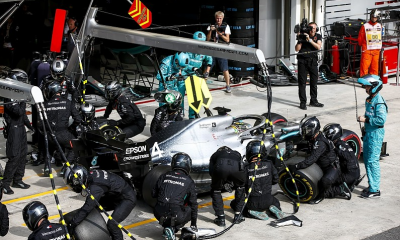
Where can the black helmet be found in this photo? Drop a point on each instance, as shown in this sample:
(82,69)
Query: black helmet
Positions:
(51,89)
(18,75)
(253,148)
(309,126)
(70,179)
(32,214)
(181,161)
(333,131)
(57,69)
(87,112)
(113,90)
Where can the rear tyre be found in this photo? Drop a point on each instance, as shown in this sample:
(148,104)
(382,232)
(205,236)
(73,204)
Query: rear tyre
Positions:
(353,140)
(150,181)
(306,182)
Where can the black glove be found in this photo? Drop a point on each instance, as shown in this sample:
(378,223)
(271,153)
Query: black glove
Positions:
(170,78)
(206,74)
(112,123)
(194,228)
(292,168)
(181,78)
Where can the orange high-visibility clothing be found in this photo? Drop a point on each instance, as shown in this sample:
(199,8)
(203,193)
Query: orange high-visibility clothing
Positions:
(369,58)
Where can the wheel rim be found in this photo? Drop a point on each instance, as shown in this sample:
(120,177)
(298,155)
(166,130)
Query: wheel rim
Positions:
(290,188)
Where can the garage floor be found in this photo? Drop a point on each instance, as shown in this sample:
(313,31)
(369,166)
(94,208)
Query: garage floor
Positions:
(332,219)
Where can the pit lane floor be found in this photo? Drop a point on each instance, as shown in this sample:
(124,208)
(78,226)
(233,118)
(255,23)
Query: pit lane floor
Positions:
(332,219)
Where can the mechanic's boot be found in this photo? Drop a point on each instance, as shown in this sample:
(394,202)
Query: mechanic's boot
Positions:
(259,215)
(317,200)
(345,191)
(20,184)
(277,212)
(238,218)
(357,182)
(220,221)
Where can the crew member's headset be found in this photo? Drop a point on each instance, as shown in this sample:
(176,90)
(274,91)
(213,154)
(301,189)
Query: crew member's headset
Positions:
(76,23)
(317,29)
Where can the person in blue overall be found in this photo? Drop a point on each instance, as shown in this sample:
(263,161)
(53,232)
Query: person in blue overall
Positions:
(195,64)
(171,69)
(374,120)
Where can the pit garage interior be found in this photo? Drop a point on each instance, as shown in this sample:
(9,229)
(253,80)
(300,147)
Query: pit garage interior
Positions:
(264,24)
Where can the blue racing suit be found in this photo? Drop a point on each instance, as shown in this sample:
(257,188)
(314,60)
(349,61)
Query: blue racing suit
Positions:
(196,61)
(375,114)
(168,68)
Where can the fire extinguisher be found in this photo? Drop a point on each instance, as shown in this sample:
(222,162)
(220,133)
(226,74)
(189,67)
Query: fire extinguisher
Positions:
(385,71)
(335,63)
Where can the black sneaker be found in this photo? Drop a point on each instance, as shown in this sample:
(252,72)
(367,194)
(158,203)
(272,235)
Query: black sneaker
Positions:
(21,185)
(37,162)
(346,192)
(8,190)
(237,219)
(316,201)
(303,106)
(220,221)
(316,104)
(369,194)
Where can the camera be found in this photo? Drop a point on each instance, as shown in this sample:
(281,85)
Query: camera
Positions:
(218,28)
(302,28)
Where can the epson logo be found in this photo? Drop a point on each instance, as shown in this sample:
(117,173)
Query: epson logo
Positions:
(138,149)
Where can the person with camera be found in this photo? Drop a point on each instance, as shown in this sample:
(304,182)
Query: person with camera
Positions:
(309,41)
(370,40)
(219,33)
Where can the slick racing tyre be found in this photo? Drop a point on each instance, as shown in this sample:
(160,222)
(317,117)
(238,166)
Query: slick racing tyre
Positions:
(275,118)
(306,182)
(150,181)
(93,227)
(353,140)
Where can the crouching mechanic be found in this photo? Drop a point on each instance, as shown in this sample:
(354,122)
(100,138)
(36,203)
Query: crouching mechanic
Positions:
(374,120)
(195,63)
(89,122)
(102,183)
(132,121)
(227,171)
(349,167)
(323,154)
(176,197)
(171,69)
(168,113)
(36,219)
(260,199)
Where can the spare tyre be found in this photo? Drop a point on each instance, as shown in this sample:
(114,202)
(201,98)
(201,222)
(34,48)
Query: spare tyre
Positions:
(93,227)
(150,181)
(241,69)
(306,181)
